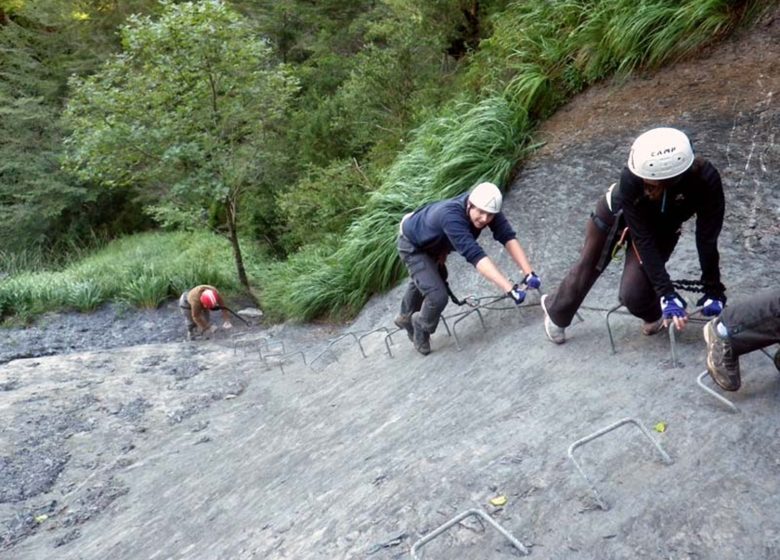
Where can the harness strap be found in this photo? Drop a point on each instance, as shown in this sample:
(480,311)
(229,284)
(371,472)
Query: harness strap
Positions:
(612,240)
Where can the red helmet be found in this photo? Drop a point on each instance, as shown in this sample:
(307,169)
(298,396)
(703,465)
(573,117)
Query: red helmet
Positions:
(208,299)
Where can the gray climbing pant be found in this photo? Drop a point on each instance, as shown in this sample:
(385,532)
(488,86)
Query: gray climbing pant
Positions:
(427,289)
(753,323)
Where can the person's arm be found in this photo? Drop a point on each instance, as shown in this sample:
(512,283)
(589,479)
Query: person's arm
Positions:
(709,221)
(490,271)
(518,255)
(199,317)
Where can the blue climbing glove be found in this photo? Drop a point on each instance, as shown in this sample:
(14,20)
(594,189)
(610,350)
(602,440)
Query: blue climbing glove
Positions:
(532,281)
(710,306)
(673,305)
(517,295)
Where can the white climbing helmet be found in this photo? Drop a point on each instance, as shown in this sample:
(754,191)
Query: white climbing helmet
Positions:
(660,153)
(487,197)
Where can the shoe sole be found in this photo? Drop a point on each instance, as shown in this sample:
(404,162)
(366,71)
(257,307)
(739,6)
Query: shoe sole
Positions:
(654,331)
(710,365)
(542,303)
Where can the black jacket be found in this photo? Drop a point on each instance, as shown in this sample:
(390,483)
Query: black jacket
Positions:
(656,223)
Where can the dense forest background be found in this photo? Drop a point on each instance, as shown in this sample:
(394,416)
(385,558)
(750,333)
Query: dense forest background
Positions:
(270,147)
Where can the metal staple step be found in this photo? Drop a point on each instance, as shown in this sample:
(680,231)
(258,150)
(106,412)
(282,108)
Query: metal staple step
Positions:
(457,519)
(580,442)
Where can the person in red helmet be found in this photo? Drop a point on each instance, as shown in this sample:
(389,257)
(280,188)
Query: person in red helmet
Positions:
(195,305)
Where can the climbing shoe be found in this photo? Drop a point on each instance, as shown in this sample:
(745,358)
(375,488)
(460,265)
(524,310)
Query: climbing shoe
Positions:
(653,327)
(722,364)
(405,322)
(421,338)
(555,333)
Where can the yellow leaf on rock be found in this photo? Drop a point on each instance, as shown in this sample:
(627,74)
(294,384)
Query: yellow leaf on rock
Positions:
(498,501)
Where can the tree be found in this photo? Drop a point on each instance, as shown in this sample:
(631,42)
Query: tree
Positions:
(42,42)
(188,112)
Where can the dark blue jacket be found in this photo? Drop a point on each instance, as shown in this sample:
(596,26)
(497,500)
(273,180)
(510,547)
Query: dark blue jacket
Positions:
(443,226)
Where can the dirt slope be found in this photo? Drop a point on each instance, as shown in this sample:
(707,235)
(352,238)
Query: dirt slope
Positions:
(173,450)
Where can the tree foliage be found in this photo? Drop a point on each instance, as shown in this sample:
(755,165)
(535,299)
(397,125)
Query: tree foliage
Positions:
(41,43)
(189,111)
(319,121)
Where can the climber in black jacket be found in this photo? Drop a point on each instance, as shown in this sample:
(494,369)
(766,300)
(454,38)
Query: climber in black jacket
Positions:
(663,185)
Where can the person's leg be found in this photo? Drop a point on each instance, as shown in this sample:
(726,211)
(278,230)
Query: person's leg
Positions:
(754,323)
(636,291)
(411,302)
(562,305)
(412,299)
(743,327)
(424,272)
(186,313)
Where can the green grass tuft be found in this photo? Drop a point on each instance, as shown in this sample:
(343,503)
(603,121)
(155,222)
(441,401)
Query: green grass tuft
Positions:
(141,270)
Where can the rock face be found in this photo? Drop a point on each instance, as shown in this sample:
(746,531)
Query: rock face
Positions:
(120,441)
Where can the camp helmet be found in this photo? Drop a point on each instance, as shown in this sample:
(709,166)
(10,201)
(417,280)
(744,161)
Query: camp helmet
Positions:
(660,153)
(208,299)
(487,197)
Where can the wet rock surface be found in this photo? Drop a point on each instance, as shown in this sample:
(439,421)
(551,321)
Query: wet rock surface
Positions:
(119,440)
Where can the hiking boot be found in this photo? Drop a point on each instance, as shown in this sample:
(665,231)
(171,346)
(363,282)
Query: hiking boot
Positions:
(421,337)
(405,322)
(555,333)
(653,327)
(722,364)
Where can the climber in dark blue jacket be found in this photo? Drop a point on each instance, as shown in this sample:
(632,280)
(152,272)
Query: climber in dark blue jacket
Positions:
(429,234)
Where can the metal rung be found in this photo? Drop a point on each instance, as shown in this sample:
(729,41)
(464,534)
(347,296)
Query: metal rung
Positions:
(460,517)
(709,391)
(362,336)
(282,357)
(477,308)
(462,315)
(609,329)
(243,341)
(603,505)
(672,338)
(334,341)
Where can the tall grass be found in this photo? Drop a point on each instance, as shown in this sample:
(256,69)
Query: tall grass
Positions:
(140,270)
(541,53)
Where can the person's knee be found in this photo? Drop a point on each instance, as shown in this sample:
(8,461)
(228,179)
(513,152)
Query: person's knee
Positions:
(438,300)
(643,305)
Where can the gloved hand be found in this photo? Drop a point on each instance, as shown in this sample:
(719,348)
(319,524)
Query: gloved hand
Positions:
(673,305)
(532,281)
(227,325)
(710,306)
(517,295)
